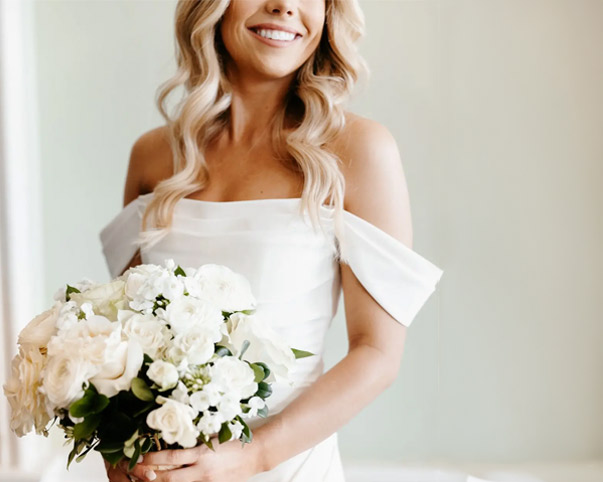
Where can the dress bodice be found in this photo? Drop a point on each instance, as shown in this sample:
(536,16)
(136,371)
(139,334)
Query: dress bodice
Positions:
(292,268)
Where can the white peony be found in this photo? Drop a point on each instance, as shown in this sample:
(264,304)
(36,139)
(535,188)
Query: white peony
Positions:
(39,330)
(122,365)
(152,334)
(220,285)
(234,376)
(164,374)
(186,313)
(83,285)
(30,408)
(65,378)
(106,299)
(265,345)
(175,422)
(136,276)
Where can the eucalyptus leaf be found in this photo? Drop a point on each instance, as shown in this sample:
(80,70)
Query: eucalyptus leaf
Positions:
(91,403)
(258,371)
(134,457)
(222,351)
(179,271)
(301,353)
(142,390)
(85,429)
(225,434)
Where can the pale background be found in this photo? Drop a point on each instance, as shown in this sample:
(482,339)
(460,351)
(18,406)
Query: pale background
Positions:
(497,108)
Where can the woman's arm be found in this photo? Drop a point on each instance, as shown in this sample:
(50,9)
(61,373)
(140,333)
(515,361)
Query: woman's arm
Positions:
(376,191)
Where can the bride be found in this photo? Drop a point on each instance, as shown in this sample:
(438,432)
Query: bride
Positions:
(258,155)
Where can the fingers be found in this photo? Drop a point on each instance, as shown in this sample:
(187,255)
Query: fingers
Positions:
(172,457)
(117,475)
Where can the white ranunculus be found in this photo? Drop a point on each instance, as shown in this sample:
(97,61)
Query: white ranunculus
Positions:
(164,374)
(122,365)
(106,298)
(136,276)
(68,317)
(175,422)
(196,346)
(234,376)
(186,313)
(64,378)
(39,330)
(229,290)
(265,345)
(152,334)
(30,408)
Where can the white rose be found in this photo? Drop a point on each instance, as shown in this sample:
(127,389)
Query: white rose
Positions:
(64,378)
(196,346)
(106,298)
(152,334)
(265,345)
(122,365)
(39,330)
(187,312)
(222,286)
(29,406)
(234,376)
(175,422)
(164,374)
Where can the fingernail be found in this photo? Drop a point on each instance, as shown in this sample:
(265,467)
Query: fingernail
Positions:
(140,457)
(150,474)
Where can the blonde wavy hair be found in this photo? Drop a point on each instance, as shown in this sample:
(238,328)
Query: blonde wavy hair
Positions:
(321,87)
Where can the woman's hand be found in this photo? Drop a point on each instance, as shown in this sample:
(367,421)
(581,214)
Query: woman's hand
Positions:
(231,462)
(117,474)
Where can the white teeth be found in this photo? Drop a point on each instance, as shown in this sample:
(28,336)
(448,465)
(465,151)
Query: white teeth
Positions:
(276,34)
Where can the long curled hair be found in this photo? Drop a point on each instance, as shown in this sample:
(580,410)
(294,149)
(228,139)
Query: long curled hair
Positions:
(319,90)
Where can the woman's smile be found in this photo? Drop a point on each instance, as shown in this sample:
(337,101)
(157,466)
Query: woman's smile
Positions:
(274,37)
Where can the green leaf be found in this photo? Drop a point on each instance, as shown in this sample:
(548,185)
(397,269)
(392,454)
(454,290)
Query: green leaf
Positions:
(134,458)
(264,390)
(301,353)
(144,409)
(258,371)
(179,271)
(147,359)
(263,412)
(209,444)
(265,367)
(225,434)
(246,430)
(146,445)
(109,447)
(222,351)
(113,457)
(85,429)
(91,403)
(142,390)
(69,290)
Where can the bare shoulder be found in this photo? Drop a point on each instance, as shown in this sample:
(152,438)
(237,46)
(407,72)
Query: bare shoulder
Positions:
(150,162)
(376,188)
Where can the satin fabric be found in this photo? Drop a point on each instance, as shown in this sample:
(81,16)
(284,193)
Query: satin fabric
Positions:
(294,275)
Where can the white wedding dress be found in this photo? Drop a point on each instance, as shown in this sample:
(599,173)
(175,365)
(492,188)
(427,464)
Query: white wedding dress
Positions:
(295,278)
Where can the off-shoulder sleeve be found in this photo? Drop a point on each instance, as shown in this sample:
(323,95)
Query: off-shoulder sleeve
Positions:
(118,238)
(398,278)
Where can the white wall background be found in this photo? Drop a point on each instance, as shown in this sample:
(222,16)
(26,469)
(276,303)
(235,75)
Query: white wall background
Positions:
(497,108)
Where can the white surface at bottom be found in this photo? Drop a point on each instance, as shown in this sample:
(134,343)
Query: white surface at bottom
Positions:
(91,470)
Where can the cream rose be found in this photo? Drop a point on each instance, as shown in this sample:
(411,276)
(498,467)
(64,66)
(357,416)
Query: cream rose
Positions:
(64,378)
(185,313)
(122,365)
(152,334)
(39,330)
(164,374)
(30,408)
(234,376)
(175,422)
(195,347)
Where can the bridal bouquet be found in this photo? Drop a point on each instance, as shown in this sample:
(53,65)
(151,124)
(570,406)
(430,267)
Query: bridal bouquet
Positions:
(159,357)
